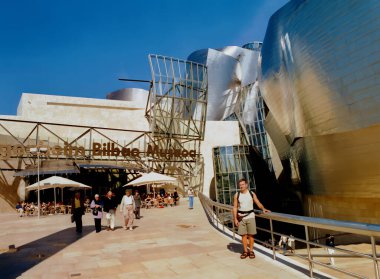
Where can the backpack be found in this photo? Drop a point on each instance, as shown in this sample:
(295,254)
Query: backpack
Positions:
(238,195)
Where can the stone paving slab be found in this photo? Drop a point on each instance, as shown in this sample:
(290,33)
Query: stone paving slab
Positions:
(361,266)
(172,242)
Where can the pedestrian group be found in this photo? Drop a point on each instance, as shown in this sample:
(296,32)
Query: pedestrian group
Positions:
(129,207)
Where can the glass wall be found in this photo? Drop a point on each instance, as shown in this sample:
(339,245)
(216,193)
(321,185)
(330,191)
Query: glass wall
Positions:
(230,164)
(253,46)
(251,111)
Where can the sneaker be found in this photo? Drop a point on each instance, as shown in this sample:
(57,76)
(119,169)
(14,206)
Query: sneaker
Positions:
(124,227)
(130,228)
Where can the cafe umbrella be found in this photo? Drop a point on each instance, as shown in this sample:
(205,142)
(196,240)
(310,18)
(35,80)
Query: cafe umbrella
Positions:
(54,182)
(151,178)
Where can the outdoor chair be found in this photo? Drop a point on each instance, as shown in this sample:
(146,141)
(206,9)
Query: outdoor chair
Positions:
(150,204)
(156,203)
(44,211)
(27,211)
(63,209)
(52,210)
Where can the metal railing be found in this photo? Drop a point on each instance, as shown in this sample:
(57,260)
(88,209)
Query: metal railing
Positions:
(221,214)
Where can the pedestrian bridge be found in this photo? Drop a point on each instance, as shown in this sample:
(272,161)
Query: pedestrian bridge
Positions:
(171,242)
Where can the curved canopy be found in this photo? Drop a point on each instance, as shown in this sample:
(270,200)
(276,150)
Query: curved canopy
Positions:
(151,178)
(56,182)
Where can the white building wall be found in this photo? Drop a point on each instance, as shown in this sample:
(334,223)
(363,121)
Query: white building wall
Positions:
(75,111)
(217,133)
(109,114)
(80,111)
(83,111)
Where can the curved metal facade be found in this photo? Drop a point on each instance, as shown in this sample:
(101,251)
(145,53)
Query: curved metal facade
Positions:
(129,94)
(233,94)
(320,68)
(250,111)
(229,69)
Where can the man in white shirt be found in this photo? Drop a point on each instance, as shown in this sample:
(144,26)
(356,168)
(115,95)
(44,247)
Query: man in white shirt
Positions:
(127,207)
(244,217)
(283,243)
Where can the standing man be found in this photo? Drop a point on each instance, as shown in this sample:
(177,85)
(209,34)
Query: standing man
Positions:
(244,217)
(330,242)
(190,194)
(283,243)
(77,207)
(110,206)
(175,196)
(137,199)
(127,207)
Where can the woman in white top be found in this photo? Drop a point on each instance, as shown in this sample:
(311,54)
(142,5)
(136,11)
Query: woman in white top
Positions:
(127,206)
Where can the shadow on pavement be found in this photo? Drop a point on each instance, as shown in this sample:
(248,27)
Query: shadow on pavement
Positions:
(235,247)
(13,264)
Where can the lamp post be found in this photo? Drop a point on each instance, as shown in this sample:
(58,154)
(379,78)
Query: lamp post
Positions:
(38,151)
(147,169)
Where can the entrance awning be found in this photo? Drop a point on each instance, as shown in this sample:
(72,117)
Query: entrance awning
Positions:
(43,171)
(123,166)
(100,166)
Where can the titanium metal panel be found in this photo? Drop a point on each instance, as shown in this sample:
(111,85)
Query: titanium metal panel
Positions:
(221,80)
(129,94)
(230,69)
(320,66)
(248,62)
(319,76)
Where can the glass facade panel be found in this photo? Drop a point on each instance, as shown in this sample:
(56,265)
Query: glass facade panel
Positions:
(252,117)
(229,168)
(231,163)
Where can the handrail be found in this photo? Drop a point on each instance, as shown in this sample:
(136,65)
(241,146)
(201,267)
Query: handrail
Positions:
(213,209)
(322,223)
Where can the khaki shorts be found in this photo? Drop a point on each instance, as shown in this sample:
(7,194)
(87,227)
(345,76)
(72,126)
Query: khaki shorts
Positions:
(247,226)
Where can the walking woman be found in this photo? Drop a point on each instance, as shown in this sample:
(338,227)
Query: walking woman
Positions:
(97,206)
(127,206)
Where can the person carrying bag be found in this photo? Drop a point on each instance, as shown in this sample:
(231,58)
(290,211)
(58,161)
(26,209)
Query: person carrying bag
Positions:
(96,206)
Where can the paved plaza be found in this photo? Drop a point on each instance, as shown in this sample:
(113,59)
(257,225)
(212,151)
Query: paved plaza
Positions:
(172,242)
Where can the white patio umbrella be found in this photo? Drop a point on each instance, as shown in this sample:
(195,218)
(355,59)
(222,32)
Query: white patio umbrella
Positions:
(152,178)
(54,182)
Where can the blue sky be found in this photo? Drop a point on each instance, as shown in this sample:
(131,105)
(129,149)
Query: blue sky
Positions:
(80,48)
